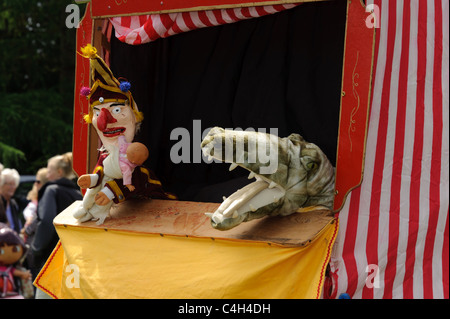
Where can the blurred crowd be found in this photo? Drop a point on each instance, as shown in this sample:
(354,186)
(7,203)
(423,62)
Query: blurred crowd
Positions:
(27,234)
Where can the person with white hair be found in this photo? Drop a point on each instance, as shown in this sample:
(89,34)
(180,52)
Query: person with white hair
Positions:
(9,181)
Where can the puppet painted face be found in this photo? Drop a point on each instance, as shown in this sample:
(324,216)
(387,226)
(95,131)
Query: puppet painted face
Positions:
(11,246)
(10,254)
(112,120)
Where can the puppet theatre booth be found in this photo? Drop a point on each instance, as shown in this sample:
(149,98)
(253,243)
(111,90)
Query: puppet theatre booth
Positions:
(280,67)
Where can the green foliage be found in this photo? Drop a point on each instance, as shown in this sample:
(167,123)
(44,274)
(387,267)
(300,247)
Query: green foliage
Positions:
(36,127)
(11,156)
(37,64)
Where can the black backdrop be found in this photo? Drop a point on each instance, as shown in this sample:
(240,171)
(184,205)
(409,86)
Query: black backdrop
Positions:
(281,71)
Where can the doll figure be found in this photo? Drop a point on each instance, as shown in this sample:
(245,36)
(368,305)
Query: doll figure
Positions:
(12,249)
(131,155)
(116,119)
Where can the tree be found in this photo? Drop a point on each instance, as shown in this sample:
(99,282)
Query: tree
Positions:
(37,64)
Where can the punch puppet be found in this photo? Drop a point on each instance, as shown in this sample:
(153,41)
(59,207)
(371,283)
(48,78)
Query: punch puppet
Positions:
(116,119)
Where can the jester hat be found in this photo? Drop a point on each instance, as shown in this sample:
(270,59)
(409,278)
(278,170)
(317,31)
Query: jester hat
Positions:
(105,87)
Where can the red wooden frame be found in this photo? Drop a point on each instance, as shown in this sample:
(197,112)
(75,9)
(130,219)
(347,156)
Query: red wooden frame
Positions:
(356,81)
(81,106)
(112,8)
(355,101)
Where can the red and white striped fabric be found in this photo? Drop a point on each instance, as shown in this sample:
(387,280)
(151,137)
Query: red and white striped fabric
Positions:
(146,28)
(393,236)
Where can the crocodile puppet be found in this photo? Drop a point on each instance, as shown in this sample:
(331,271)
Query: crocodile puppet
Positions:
(290,173)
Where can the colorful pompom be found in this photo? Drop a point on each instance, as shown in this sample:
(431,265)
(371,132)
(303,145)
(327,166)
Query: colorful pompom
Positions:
(125,86)
(85,91)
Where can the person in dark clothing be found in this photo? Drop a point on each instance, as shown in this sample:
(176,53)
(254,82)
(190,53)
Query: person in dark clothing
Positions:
(56,195)
(2,211)
(30,215)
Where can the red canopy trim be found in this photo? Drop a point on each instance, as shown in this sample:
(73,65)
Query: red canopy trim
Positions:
(136,30)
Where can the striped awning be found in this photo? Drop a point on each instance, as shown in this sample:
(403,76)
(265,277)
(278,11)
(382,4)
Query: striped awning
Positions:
(146,28)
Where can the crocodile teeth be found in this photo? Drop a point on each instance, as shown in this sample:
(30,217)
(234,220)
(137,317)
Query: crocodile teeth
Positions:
(251,175)
(240,197)
(252,208)
(272,185)
(217,218)
(206,151)
(233,166)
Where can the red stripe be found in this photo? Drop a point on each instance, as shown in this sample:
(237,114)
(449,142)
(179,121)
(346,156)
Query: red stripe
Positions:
(278,7)
(261,11)
(166,21)
(188,21)
(246,12)
(142,19)
(148,28)
(175,28)
(416,168)
(435,177)
(397,165)
(138,40)
(445,256)
(348,250)
(125,22)
(373,227)
(232,14)
(204,18)
(218,15)
(377,45)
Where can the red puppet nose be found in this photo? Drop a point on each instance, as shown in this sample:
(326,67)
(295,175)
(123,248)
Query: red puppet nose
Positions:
(104,118)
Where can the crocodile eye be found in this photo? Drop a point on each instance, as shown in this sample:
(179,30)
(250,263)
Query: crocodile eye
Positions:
(311,165)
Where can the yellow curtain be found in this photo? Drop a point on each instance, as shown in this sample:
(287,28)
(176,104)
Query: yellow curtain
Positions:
(95,263)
